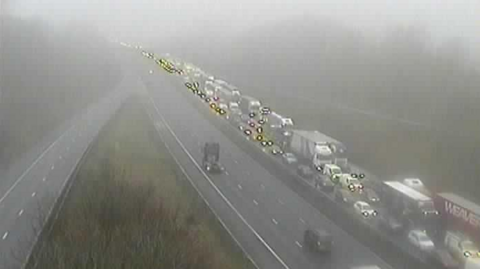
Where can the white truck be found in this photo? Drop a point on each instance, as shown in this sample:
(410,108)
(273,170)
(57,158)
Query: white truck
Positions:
(249,105)
(310,149)
(461,247)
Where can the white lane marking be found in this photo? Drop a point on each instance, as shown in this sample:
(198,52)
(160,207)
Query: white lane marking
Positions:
(235,161)
(226,173)
(298,244)
(240,186)
(5,235)
(262,186)
(275,221)
(33,194)
(208,204)
(53,166)
(68,148)
(32,165)
(44,178)
(73,139)
(60,157)
(219,192)
(255,202)
(20,212)
(280,202)
(302,221)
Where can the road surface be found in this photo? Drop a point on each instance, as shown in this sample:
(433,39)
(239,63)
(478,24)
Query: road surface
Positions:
(265,216)
(29,187)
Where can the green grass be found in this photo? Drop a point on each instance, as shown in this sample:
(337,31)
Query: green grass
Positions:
(131,207)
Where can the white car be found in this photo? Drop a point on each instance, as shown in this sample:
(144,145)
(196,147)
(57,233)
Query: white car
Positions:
(348,182)
(421,240)
(364,209)
(331,169)
(460,246)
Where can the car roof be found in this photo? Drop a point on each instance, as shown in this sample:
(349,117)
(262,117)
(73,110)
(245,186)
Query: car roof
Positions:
(361,202)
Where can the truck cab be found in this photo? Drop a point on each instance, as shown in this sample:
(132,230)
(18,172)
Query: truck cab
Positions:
(322,156)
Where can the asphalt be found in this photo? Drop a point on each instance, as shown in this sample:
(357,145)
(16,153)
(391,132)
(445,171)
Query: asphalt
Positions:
(265,216)
(29,187)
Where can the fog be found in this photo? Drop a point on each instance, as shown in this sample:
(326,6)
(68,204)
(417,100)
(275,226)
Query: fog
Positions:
(150,21)
(412,65)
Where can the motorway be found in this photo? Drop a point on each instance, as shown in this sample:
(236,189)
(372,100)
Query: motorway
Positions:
(266,217)
(29,188)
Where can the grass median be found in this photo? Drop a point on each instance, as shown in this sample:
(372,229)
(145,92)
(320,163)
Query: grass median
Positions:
(131,207)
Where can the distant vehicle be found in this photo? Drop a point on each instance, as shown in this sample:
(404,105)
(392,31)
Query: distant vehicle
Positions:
(370,196)
(421,240)
(324,183)
(458,213)
(289,158)
(211,154)
(413,208)
(318,240)
(249,105)
(461,247)
(305,171)
(234,107)
(390,223)
(364,209)
(346,197)
(348,182)
(444,257)
(310,149)
(330,170)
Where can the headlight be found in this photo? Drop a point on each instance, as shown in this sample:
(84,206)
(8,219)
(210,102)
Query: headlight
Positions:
(365,213)
(467,254)
(374,213)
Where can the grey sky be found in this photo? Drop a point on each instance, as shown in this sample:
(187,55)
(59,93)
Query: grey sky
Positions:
(444,19)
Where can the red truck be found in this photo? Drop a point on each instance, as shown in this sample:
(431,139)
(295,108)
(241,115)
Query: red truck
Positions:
(458,213)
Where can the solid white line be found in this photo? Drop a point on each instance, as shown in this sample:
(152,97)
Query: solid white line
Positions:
(5,235)
(255,202)
(32,165)
(20,212)
(207,203)
(298,244)
(218,190)
(33,194)
(275,221)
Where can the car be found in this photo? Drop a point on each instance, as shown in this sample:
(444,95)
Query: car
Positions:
(364,209)
(305,171)
(345,196)
(444,257)
(390,223)
(324,183)
(421,240)
(348,182)
(460,246)
(289,158)
(318,240)
(370,196)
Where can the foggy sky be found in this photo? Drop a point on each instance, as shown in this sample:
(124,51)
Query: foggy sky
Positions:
(150,20)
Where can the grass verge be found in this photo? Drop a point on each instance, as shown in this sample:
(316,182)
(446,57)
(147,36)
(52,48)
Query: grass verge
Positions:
(131,207)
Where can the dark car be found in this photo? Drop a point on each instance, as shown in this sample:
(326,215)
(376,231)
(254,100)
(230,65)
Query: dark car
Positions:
(318,240)
(390,223)
(305,171)
(324,183)
(443,257)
